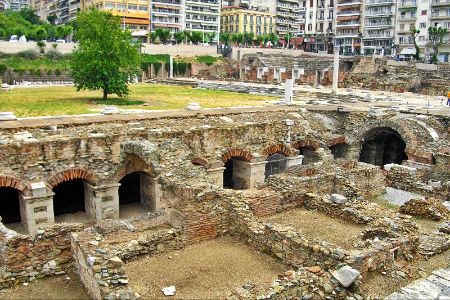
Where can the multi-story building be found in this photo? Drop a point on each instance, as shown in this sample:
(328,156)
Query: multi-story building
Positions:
(288,16)
(349,25)
(247,20)
(60,9)
(4,5)
(379,27)
(167,14)
(316,23)
(14,5)
(135,14)
(440,16)
(203,16)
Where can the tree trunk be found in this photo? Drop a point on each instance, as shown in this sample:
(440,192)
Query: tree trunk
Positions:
(105,94)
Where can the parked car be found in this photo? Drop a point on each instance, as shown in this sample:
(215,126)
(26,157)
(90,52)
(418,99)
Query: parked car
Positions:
(60,41)
(14,39)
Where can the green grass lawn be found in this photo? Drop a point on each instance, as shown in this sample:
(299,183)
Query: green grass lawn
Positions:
(51,101)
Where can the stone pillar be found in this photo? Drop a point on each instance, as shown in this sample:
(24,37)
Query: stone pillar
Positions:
(216,175)
(294,161)
(102,202)
(150,192)
(288,91)
(36,211)
(335,70)
(247,175)
(171,67)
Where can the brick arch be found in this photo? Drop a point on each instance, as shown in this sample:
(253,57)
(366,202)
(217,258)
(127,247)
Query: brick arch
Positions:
(200,161)
(278,148)
(15,183)
(132,163)
(235,152)
(73,173)
(306,143)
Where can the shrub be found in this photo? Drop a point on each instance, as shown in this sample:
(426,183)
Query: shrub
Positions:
(206,59)
(54,55)
(3,69)
(49,72)
(28,54)
(58,72)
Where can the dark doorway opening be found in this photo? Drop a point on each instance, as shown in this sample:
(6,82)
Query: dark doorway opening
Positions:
(130,188)
(69,199)
(383,146)
(228,181)
(339,150)
(10,205)
(134,194)
(276,163)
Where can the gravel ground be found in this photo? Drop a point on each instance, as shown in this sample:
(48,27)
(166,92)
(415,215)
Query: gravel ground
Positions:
(55,287)
(209,270)
(319,225)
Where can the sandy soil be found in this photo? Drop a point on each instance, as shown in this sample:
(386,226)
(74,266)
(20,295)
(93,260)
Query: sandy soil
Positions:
(132,209)
(209,270)
(319,225)
(56,287)
(377,285)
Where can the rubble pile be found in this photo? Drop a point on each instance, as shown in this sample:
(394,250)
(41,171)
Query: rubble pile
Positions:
(431,208)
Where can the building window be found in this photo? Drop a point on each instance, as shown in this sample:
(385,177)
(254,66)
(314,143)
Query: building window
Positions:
(423,25)
(309,27)
(402,26)
(424,12)
(311,3)
(421,38)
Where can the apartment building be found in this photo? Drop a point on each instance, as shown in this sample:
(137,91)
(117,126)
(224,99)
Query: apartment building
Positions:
(135,14)
(203,16)
(14,5)
(288,17)
(58,8)
(247,20)
(440,16)
(316,23)
(379,27)
(167,14)
(349,25)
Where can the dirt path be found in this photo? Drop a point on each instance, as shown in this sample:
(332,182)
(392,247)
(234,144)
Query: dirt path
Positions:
(319,225)
(54,287)
(209,270)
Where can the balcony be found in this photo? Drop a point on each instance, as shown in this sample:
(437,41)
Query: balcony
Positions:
(407,4)
(349,13)
(436,3)
(406,18)
(203,2)
(378,14)
(379,2)
(377,36)
(438,16)
(378,25)
(348,3)
(347,24)
(166,2)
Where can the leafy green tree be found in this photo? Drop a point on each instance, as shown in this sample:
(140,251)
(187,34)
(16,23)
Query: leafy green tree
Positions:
(237,38)
(224,38)
(39,33)
(2,33)
(63,31)
(187,36)
(30,15)
(41,46)
(260,40)
(179,37)
(51,19)
(248,38)
(273,38)
(106,58)
(211,37)
(163,34)
(436,37)
(153,37)
(196,37)
(414,33)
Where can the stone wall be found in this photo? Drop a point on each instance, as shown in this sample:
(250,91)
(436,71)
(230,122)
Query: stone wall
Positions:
(379,74)
(25,258)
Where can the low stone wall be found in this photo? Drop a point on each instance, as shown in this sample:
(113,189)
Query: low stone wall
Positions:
(24,258)
(408,179)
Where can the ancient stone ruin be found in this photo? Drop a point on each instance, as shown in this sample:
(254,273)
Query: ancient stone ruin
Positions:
(303,187)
